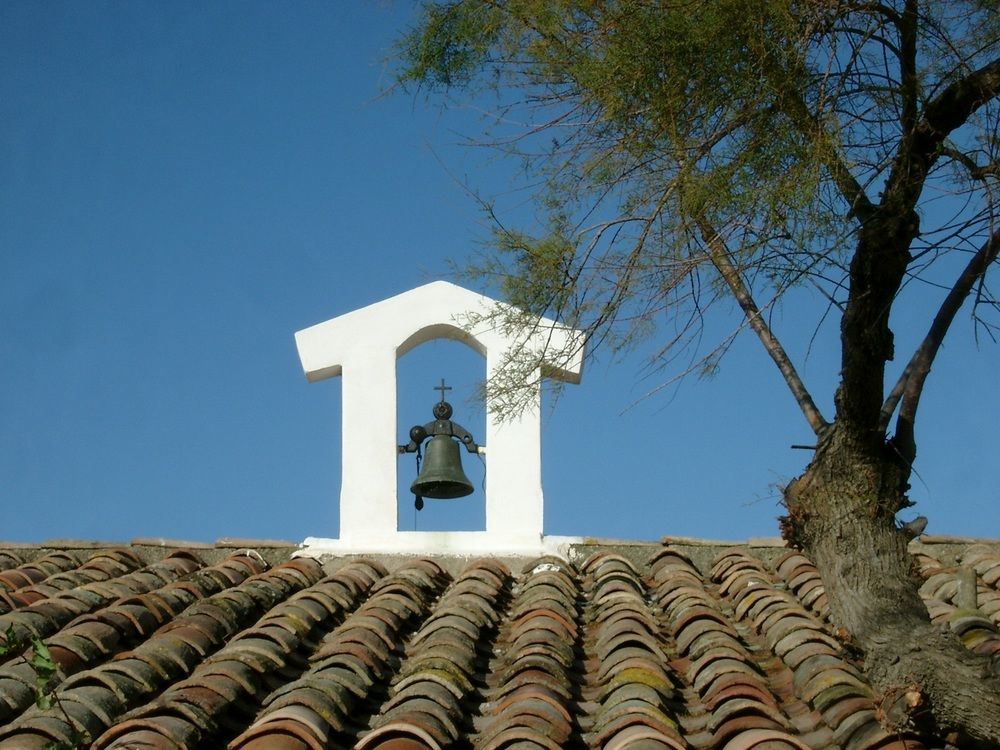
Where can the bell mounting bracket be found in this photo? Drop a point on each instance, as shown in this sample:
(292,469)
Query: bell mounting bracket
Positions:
(442,425)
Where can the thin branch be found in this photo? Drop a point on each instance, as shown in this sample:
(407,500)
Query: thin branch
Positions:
(720,257)
(849,187)
(911,383)
(975,171)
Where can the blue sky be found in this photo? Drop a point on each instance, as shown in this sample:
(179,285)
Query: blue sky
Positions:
(185,185)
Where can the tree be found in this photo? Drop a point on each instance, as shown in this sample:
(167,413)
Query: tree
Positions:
(691,152)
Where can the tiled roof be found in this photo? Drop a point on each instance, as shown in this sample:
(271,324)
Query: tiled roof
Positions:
(642,647)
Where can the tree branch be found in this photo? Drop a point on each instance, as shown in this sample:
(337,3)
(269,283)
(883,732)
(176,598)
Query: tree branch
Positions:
(909,81)
(892,400)
(848,186)
(720,257)
(976,172)
(952,107)
(911,383)
(883,253)
(920,148)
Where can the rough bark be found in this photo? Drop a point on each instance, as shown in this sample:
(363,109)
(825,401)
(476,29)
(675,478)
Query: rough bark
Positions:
(842,512)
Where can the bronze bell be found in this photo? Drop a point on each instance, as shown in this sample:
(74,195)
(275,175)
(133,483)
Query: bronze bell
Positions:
(441,476)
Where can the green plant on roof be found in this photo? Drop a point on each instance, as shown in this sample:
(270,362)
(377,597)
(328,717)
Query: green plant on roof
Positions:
(36,654)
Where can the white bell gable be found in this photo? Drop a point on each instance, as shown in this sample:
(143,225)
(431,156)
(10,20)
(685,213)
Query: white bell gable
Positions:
(362,347)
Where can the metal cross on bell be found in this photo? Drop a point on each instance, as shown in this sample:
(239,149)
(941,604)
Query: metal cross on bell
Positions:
(441,477)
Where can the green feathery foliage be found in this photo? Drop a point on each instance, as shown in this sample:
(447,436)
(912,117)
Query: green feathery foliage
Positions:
(651,125)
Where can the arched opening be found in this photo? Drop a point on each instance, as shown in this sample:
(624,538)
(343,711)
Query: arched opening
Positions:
(422,363)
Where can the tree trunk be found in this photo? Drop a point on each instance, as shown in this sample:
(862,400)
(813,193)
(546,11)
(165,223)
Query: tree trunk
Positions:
(841,511)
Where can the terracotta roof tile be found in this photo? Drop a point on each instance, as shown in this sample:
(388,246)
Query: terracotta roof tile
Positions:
(632,651)
(350,661)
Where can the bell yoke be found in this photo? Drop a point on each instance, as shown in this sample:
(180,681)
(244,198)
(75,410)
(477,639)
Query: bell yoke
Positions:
(441,477)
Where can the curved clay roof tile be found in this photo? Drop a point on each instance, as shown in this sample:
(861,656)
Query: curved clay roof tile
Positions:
(839,702)
(628,639)
(525,728)
(859,722)
(519,675)
(720,693)
(638,737)
(397,736)
(552,620)
(764,739)
(285,732)
(434,683)
(603,560)
(440,721)
(831,678)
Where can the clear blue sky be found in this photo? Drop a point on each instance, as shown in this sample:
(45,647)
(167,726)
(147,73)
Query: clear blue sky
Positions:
(184,185)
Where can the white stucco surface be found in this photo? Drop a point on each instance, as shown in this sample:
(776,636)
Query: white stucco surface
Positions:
(362,347)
